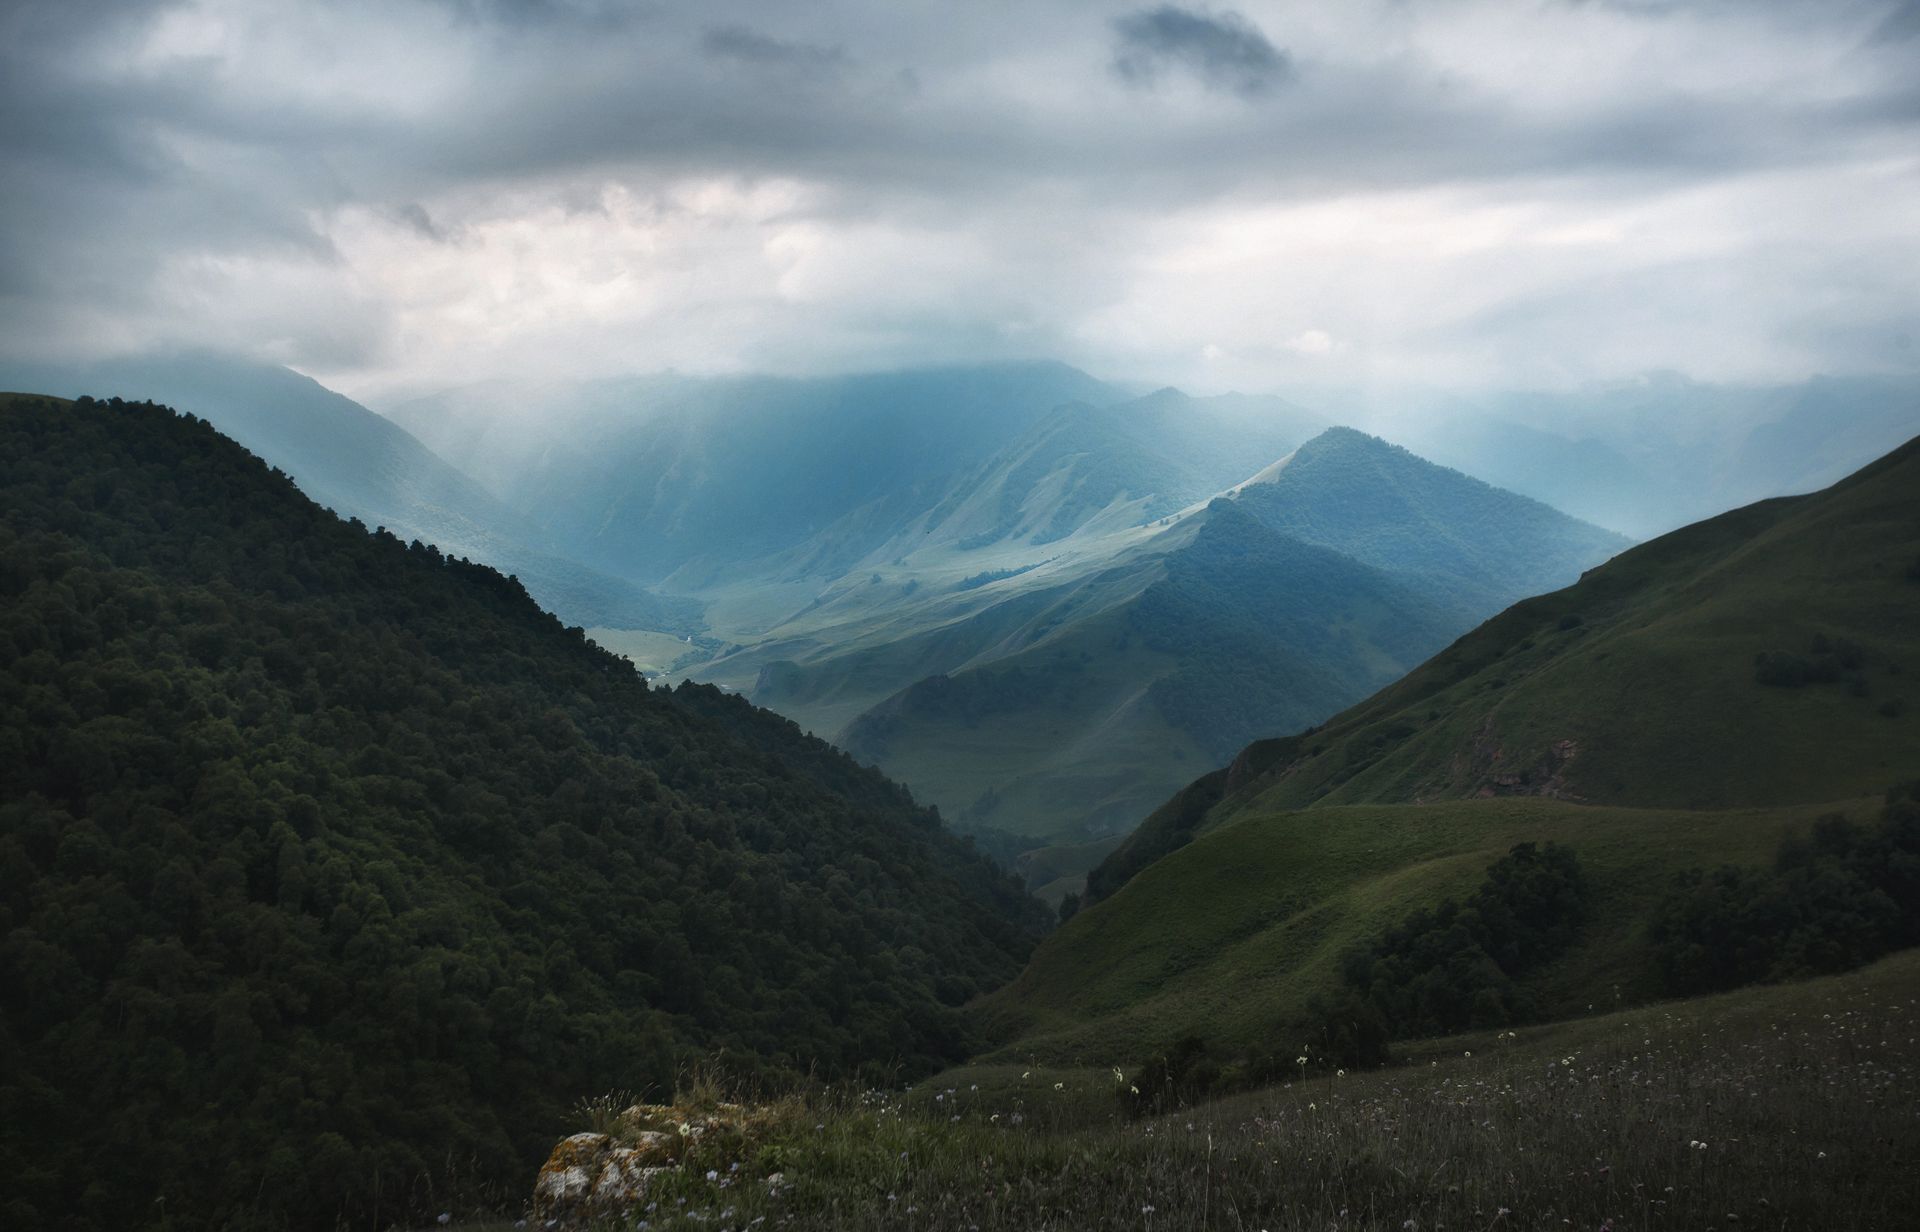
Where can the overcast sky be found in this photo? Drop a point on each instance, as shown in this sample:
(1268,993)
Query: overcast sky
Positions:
(396,193)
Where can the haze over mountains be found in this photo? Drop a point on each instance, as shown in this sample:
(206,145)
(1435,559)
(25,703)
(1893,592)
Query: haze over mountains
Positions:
(361,465)
(1040,599)
(1649,455)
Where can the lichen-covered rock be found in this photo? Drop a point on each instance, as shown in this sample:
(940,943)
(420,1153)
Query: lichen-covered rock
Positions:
(569,1175)
(588,1177)
(655,1147)
(624,1178)
(600,1176)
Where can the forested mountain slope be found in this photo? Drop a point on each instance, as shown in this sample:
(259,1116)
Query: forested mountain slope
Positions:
(324,857)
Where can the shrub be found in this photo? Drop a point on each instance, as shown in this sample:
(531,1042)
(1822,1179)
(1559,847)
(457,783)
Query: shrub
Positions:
(1454,967)
(1833,901)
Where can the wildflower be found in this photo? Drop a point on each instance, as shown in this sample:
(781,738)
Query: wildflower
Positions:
(1469,1052)
(1299,1060)
(1147,1209)
(446,1217)
(1135,1090)
(1059,1086)
(712,1174)
(1339,1073)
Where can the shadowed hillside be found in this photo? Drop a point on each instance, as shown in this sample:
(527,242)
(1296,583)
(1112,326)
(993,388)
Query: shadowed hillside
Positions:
(328,857)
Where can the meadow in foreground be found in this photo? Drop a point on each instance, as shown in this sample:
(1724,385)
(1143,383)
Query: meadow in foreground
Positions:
(1793,1106)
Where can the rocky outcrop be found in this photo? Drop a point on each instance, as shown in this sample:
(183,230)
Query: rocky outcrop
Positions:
(589,1176)
(604,1176)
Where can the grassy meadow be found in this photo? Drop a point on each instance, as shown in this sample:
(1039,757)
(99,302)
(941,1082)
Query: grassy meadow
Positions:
(1788,1106)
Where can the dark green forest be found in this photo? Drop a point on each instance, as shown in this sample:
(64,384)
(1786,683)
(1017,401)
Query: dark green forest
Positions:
(1835,900)
(331,868)
(1455,966)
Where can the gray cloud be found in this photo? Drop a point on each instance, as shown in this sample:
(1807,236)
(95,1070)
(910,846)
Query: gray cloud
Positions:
(1224,50)
(1901,25)
(381,186)
(751,47)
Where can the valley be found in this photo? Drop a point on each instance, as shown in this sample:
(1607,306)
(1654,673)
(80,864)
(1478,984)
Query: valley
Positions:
(336,733)
(1123,615)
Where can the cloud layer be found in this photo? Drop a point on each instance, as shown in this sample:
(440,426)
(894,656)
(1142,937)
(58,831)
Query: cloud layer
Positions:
(403,192)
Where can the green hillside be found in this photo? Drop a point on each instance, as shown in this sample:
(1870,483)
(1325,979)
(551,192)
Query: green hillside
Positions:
(1686,705)
(327,857)
(1648,681)
(1232,936)
(1639,684)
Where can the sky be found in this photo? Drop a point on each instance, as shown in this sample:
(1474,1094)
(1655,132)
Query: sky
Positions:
(393,195)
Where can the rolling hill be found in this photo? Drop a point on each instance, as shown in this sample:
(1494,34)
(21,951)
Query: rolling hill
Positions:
(1692,702)
(328,857)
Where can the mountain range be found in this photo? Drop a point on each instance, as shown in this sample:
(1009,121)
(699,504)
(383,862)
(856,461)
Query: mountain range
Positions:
(1041,600)
(1702,700)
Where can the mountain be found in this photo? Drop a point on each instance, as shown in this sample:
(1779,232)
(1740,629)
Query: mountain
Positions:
(1795,614)
(1701,700)
(1478,546)
(328,857)
(650,476)
(1066,696)
(1124,684)
(361,465)
(1649,455)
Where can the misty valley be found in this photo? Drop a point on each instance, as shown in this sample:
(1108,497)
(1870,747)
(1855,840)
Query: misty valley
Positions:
(1014,787)
(1087,615)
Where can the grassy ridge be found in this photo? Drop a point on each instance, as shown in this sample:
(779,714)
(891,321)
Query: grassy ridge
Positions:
(1637,684)
(1230,936)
